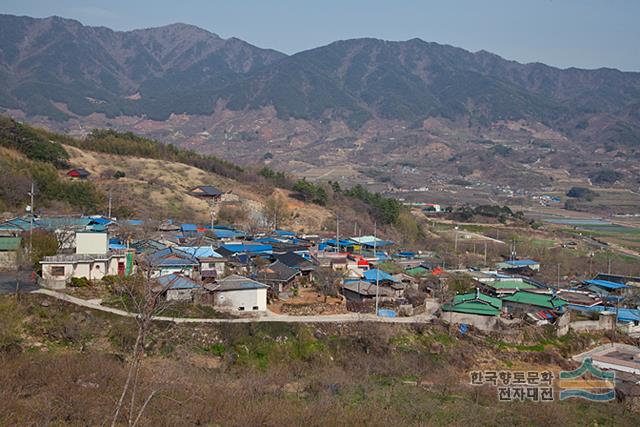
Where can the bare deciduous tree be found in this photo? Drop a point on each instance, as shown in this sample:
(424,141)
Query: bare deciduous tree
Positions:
(327,281)
(143,296)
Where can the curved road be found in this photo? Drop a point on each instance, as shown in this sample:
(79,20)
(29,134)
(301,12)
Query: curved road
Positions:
(266,317)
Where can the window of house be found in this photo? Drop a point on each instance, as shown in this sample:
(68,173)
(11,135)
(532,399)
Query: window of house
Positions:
(255,307)
(57,271)
(240,308)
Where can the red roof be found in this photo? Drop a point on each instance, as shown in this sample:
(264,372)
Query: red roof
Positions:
(363,262)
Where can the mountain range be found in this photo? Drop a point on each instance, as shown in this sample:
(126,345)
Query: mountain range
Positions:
(189,86)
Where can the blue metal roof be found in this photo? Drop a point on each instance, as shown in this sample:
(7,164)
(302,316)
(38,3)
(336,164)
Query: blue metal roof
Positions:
(284,233)
(100,220)
(176,281)
(606,284)
(225,233)
(376,274)
(522,262)
(248,248)
(343,242)
(189,227)
(624,314)
(172,257)
(406,254)
(200,251)
(267,240)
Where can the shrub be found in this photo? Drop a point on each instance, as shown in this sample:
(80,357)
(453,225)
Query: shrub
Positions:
(605,176)
(10,323)
(44,244)
(311,192)
(79,282)
(582,193)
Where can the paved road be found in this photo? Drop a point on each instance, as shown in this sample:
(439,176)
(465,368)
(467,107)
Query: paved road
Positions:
(8,283)
(267,317)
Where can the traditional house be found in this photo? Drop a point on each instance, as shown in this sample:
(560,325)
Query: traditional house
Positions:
(523,302)
(519,263)
(279,276)
(212,264)
(475,304)
(608,291)
(206,192)
(361,291)
(168,225)
(376,275)
(79,173)
(172,260)
(147,246)
(297,262)
(336,261)
(238,293)
(177,287)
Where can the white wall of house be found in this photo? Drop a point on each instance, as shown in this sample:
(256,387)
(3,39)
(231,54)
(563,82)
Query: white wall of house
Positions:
(89,269)
(217,266)
(162,271)
(92,243)
(242,299)
(179,294)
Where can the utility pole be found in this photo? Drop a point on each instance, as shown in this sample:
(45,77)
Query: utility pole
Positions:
(375,244)
(455,239)
(609,263)
(31,193)
(109,214)
(337,234)
(558,282)
(485,253)
(377,289)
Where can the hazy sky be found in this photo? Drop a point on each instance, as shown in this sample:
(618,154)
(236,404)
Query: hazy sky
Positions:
(564,33)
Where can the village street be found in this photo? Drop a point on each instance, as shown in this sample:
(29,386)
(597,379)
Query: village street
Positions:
(266,317)
(8,283)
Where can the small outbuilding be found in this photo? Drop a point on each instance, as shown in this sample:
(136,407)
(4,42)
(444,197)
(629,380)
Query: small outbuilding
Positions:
(206,192)
(79,173)
(239,293)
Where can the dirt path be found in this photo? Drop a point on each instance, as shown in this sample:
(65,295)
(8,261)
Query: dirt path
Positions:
(265,317)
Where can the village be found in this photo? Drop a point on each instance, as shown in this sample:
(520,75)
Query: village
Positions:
(286,272)
(222,273)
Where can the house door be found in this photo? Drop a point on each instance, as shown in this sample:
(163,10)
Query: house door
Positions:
(120,268)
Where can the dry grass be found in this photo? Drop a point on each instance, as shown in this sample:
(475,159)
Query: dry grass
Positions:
(269,374)
(158,188)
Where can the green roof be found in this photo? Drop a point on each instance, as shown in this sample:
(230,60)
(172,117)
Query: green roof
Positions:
(510,284)
(9,243)
(475,303)
(416,270)
(538,300)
